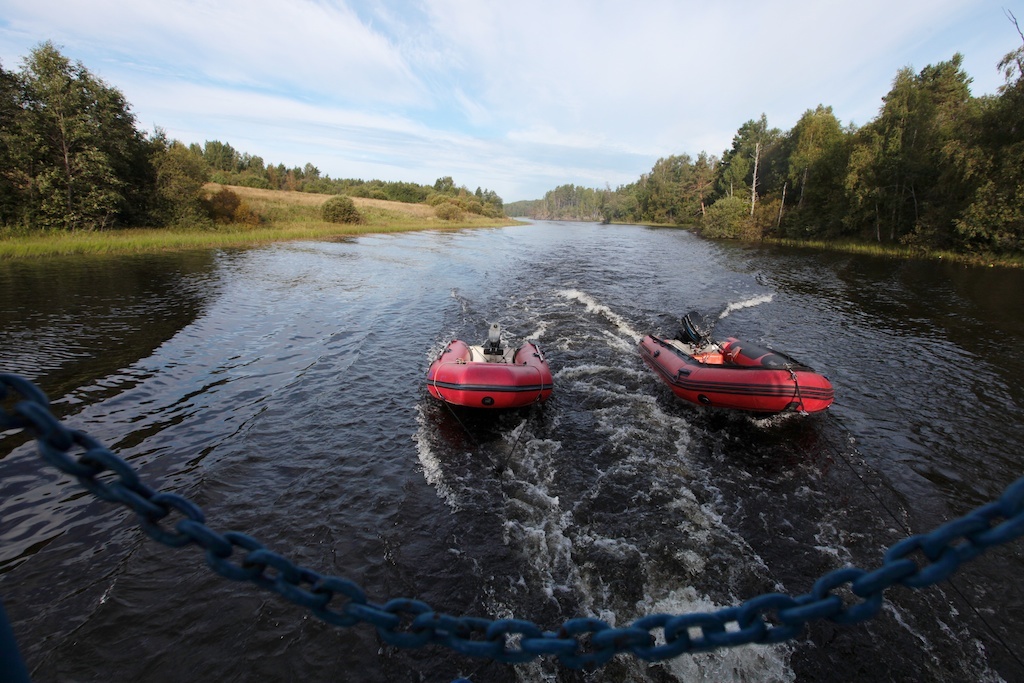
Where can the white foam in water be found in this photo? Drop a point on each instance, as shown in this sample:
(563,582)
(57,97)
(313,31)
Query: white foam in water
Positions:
(617,342)
(740,664)
(749,303)
(772,421)
(536,522)
(549,536)
(541,329)
(541,524)
(594,307)
(574,372)
(432,470)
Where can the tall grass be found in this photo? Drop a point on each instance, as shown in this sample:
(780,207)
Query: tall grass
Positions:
(904,252)
(286,216)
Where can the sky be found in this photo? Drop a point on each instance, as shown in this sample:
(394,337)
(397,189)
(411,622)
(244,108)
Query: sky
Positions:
(513,96)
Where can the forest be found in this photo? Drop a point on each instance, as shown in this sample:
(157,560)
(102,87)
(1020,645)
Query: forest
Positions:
(72,159)
(936,169)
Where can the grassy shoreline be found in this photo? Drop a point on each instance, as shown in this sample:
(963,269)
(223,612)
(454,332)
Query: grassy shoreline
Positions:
(888,251)
(293,216)
(881,250)
(288,216)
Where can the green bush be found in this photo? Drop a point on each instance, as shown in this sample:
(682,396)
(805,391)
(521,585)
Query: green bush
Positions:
(180,176)
(340,209)
(448,212)
(728,217)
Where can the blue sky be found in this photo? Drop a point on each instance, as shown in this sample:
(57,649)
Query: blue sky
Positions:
(516,97)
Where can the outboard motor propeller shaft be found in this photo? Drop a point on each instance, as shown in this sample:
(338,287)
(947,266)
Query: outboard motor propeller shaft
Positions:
(493,346)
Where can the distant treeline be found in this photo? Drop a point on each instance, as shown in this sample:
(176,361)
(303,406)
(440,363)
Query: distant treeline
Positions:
(71,158)
(937,168)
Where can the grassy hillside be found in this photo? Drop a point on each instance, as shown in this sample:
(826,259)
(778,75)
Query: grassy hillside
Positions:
(285,216)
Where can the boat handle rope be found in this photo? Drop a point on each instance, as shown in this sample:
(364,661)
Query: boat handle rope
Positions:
(796,381)
(844,596)
(540,382)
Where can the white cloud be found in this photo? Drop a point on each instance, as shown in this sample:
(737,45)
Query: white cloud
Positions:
(515,97)
(305,47)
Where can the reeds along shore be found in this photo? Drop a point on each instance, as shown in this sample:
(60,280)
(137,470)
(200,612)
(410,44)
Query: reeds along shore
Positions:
(284,216)
(888,251)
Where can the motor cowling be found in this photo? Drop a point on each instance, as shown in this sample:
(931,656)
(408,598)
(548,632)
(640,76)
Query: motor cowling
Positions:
(695,330)
(493,345)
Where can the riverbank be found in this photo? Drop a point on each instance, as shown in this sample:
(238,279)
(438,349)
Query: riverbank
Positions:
(291,216)
(882,250)
(286,216)
(900,252)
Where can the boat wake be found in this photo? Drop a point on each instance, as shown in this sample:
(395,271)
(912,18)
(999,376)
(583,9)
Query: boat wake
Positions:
(748,303)
(598,496)
(430,464)
(594,307)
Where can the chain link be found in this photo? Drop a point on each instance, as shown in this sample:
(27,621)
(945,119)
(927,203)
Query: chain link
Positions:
(845,596)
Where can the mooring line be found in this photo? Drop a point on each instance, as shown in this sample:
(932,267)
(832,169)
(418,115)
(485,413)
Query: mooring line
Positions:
(453,414)
(499,470)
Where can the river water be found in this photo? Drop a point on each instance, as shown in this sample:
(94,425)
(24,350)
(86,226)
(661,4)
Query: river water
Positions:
(282,389)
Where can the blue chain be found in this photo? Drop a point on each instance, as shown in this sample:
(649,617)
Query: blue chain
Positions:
(844,596)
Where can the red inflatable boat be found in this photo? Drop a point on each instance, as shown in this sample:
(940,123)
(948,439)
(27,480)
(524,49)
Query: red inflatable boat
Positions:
(489,376)
(735,374)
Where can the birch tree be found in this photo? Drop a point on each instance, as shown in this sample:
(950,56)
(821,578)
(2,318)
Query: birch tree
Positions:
(84,148)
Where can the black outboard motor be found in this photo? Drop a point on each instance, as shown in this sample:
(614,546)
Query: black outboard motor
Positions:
(695,330)
(493,345)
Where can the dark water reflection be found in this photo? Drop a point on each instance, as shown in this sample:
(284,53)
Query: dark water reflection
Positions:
(281,389)
(67,321)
